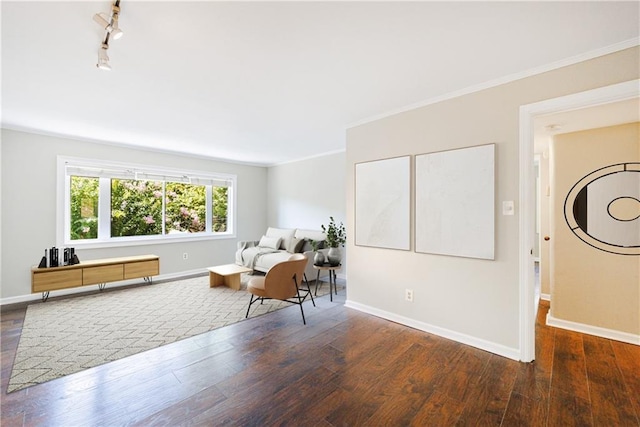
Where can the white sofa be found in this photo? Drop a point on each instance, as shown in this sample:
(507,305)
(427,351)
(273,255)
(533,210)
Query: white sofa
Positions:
(277,245)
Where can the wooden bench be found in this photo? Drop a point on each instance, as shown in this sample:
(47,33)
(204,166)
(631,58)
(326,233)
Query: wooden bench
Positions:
(93,272)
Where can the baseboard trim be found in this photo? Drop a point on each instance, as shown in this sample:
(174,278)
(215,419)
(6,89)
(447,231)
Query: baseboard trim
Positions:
(500,350)
(593,330)
(545,297)
(89,288)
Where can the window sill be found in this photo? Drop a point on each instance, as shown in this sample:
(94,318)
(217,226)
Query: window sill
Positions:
(145,240)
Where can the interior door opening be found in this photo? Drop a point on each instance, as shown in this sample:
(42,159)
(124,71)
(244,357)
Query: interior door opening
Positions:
(532,115)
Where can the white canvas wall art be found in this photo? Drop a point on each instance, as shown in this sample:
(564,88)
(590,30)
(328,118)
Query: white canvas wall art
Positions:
(454,202)
(382,209)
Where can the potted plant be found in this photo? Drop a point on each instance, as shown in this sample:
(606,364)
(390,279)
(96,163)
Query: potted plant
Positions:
(318,257)
(336,237)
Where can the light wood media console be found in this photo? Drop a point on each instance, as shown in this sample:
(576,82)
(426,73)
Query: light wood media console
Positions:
(93,272)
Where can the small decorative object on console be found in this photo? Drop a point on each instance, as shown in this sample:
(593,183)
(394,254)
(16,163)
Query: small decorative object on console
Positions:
(51,257)
(43,261)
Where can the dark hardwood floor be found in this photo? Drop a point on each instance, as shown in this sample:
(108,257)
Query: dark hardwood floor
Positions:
(344,368)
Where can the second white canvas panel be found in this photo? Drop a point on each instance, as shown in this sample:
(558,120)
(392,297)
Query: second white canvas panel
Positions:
(455,202)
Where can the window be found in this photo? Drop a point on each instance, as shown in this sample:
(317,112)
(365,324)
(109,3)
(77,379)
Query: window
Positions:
(136,208)
(108,203)
(84,208)
(186,208)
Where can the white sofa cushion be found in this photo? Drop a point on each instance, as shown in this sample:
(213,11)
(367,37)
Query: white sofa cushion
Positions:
(270,242)
(284,233)
(266,261)
(310,235)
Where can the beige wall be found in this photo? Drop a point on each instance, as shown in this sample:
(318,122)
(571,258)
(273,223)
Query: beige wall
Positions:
(590,286)
(476,301)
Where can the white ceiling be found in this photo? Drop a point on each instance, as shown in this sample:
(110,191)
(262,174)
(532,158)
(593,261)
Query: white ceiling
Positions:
(266,82)
(598,116)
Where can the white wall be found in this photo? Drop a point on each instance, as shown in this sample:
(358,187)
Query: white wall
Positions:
(306,193)
(28,211)
(472,301)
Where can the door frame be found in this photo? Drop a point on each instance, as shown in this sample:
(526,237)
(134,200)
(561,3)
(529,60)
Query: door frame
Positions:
(528,113)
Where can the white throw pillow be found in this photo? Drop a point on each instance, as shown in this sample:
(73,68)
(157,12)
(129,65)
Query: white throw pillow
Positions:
(270,242)
(285,233)
(316,235)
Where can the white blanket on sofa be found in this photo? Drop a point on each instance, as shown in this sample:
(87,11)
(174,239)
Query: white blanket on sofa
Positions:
(250,255)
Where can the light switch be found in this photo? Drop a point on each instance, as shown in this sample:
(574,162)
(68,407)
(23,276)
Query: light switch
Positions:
(508,208)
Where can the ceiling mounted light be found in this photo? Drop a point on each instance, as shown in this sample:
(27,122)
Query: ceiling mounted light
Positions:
(116,32)
(112,30)
(103,58)
(110,25)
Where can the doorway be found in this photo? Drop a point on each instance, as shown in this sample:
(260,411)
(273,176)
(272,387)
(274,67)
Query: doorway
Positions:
(533,115)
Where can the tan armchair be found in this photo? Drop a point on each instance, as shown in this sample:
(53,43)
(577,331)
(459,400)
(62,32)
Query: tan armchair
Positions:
(283,282)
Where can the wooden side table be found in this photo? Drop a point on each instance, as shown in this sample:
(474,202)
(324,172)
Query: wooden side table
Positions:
(332,277)
(227,275)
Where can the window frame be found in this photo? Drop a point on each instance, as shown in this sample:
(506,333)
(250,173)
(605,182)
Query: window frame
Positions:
(63,208)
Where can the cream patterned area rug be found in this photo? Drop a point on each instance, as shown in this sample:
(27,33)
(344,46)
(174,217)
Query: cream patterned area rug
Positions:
(61,337)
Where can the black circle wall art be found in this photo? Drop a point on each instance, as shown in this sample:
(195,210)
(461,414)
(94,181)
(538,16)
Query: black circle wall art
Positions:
(603,209)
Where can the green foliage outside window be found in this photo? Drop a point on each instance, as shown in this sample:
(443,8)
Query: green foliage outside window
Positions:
(136,208)
(186,208)
(84,207)
(220,209)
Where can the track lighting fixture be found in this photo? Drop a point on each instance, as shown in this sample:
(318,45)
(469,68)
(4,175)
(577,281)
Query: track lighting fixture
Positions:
(103,58)
(112,30)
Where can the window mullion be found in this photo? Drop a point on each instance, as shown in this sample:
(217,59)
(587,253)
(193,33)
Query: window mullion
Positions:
(209,210)
(231,202)
(164,207)
(104,209)
(67,208)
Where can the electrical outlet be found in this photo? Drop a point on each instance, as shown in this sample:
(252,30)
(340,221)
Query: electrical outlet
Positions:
(185,256)
(408,295)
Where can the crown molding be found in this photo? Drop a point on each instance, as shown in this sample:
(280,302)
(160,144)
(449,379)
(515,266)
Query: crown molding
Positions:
(506,79)
(41,132)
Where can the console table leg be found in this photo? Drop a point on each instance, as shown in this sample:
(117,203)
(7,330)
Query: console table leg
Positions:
(101,286)
(148,279)
(45,296)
